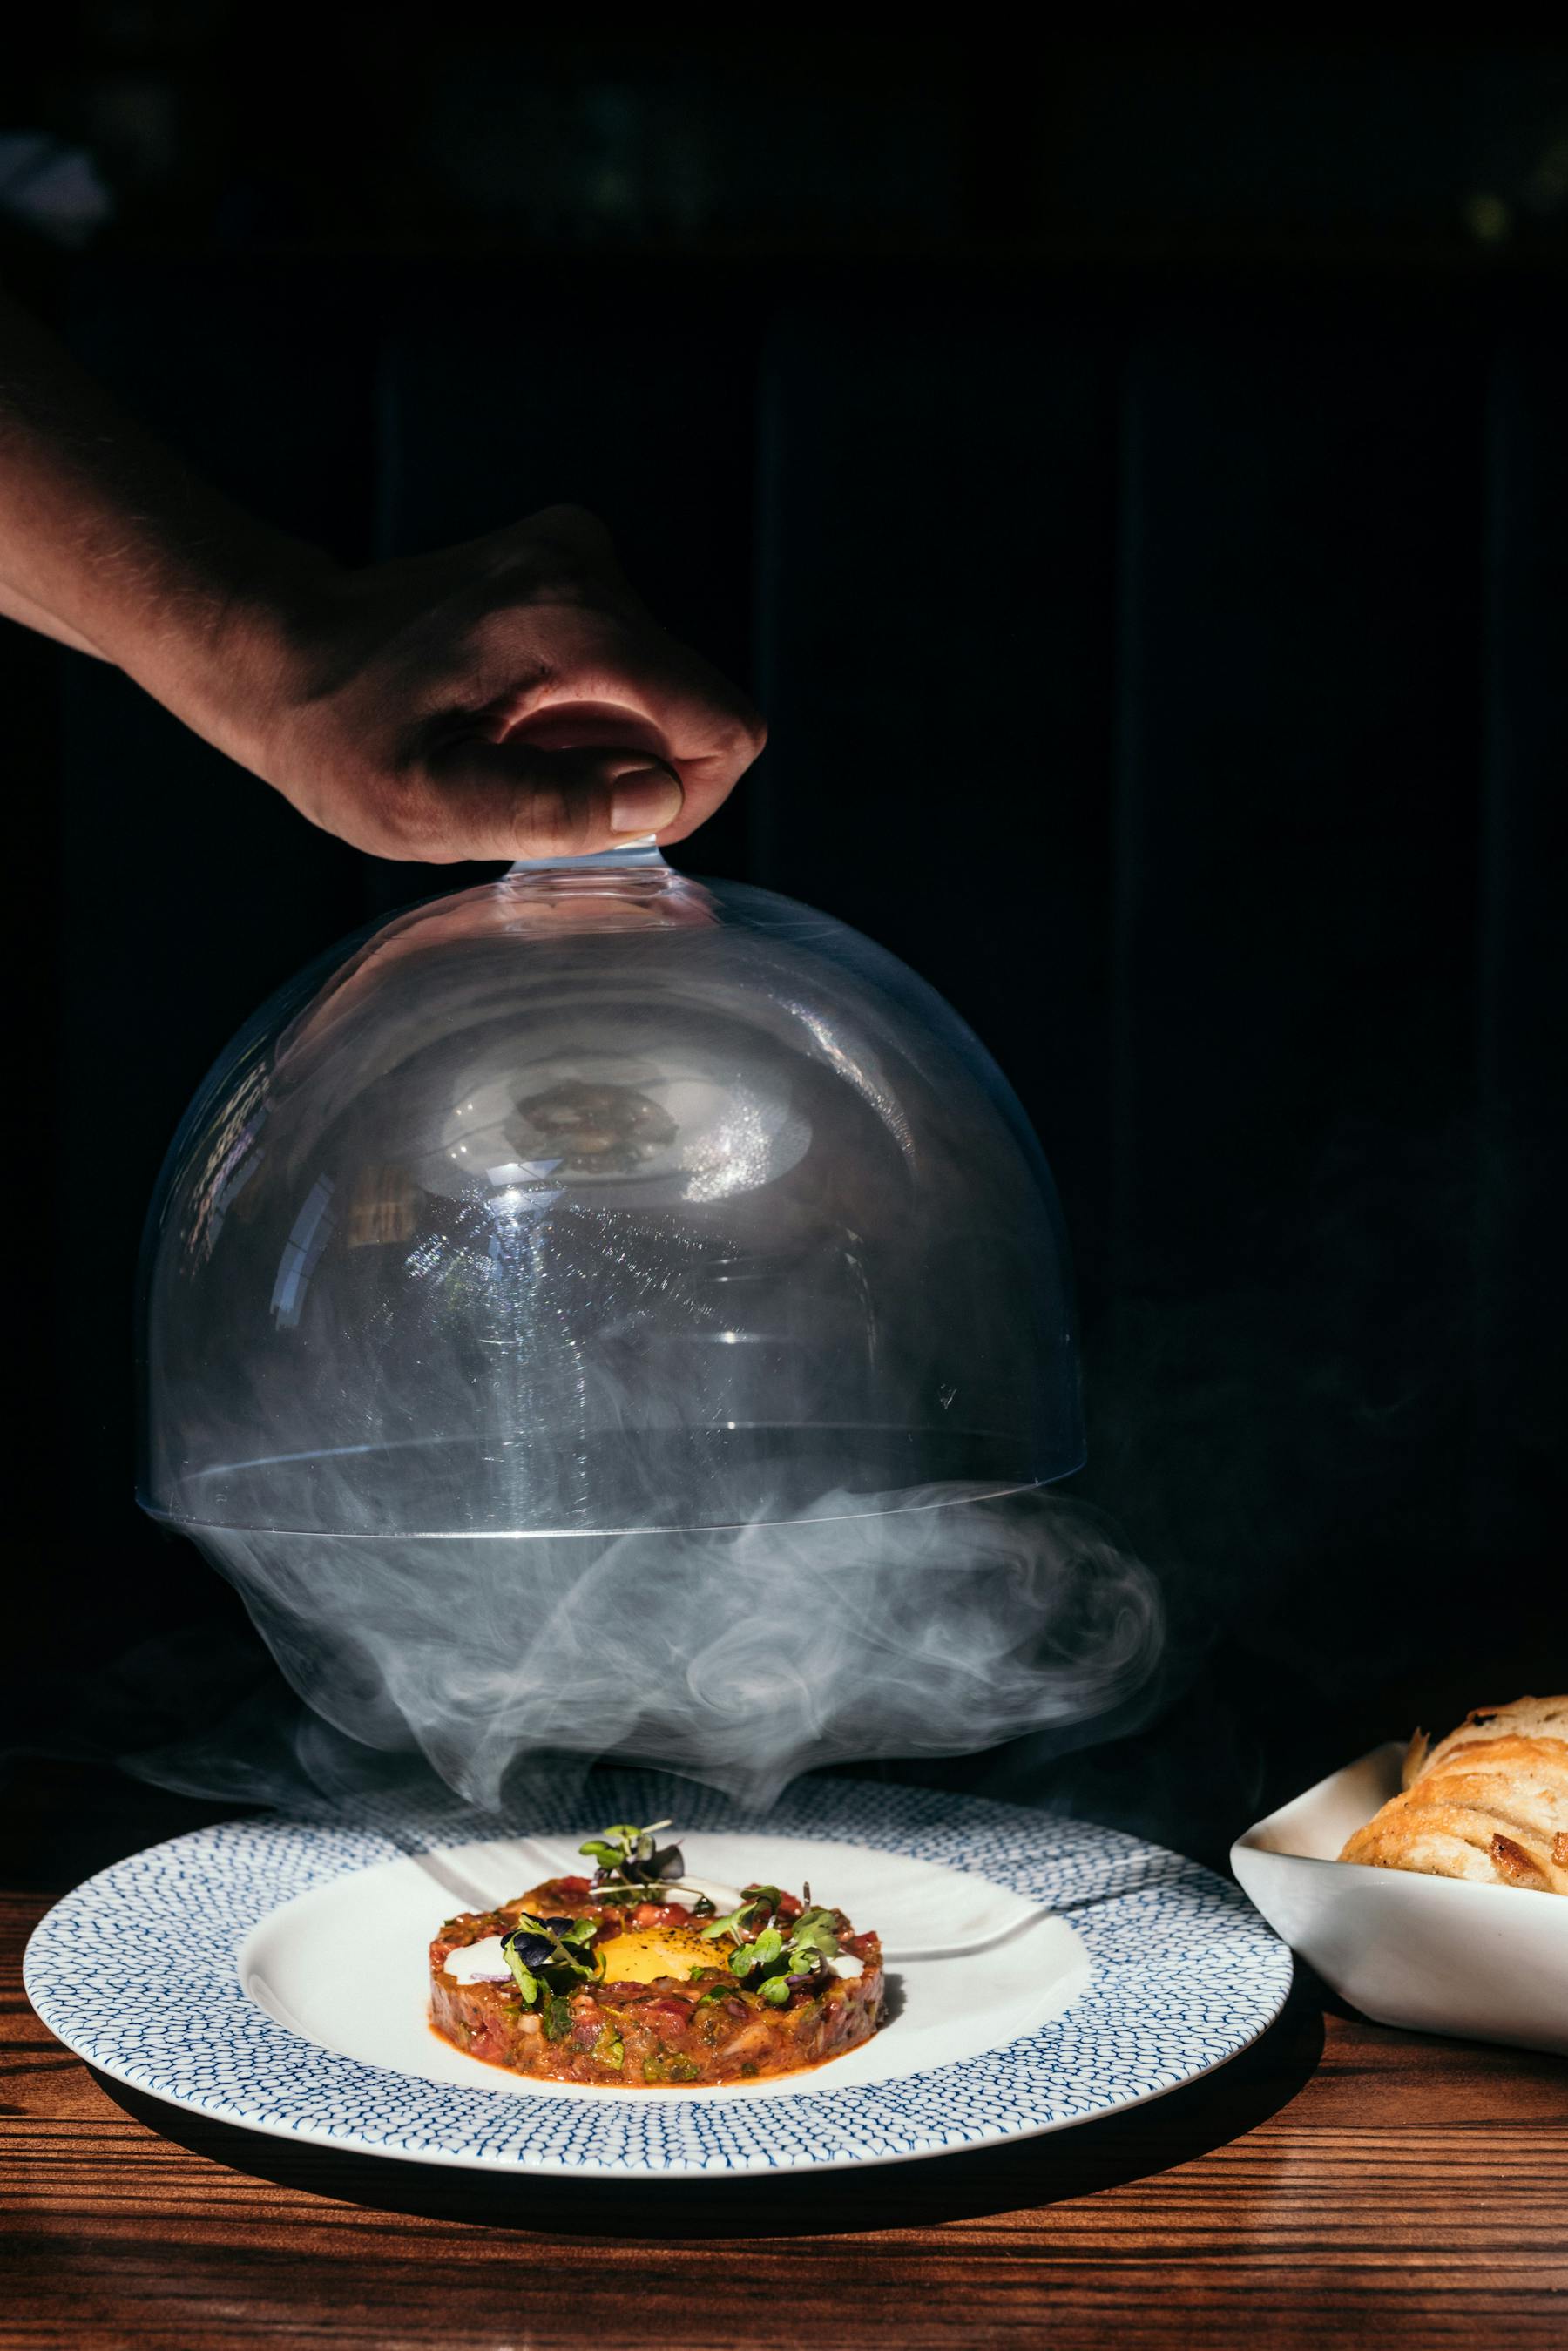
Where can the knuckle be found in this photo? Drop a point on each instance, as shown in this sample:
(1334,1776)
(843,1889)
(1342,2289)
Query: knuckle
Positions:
(745,738)
(577,525)
(404,823)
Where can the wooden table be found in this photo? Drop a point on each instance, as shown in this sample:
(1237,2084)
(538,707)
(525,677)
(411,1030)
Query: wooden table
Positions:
(1338,2184)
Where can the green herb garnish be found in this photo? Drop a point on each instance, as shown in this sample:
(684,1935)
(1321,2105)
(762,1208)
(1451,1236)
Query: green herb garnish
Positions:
(756,1957)
(662,2066)
(552,1956)
(775,1963)
(632,1866)
(556,2016)
(733,1924)
(813,1937)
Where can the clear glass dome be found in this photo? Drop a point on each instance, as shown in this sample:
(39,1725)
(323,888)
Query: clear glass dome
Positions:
(600,1198)
(593,1201)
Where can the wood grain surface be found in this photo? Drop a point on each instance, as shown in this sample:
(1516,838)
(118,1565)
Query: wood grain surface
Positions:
(1337,2185)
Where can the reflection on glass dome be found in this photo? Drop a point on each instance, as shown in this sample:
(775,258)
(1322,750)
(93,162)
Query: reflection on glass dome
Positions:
(677,1119)
(595,1200)
(593,1203)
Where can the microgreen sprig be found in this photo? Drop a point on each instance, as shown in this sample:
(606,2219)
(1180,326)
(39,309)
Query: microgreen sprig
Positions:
(736,1923)
(631,1862)
(551,1956)
(774,1963)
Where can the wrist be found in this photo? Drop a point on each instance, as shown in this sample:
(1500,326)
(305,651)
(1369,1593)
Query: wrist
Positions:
(228,652)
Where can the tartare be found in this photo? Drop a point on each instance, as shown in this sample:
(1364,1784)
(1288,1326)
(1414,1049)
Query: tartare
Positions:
(641,1974)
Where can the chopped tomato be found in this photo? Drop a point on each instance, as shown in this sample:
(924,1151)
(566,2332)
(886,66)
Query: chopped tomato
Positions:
(660,1913)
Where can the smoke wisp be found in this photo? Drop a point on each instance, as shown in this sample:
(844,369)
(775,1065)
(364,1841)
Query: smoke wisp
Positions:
(940,1622)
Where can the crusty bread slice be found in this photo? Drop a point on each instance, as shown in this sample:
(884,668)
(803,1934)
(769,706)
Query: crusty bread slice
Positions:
(1489,1803)
(1527,1718)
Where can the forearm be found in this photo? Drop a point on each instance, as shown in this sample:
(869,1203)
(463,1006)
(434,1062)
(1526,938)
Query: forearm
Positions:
(107,544)
(510,697)
(14,606)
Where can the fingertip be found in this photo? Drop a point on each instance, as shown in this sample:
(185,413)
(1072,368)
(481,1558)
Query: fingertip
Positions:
(515,799)
(643,801)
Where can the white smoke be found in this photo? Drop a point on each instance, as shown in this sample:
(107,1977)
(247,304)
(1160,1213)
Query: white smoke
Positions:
(934,1621)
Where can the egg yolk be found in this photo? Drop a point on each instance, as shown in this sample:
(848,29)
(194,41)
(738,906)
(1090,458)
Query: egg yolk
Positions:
(645,1953)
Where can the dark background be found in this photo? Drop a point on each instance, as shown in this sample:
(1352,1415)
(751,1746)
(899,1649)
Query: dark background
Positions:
(1130,473)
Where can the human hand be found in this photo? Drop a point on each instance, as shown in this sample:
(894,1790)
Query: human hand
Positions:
(502,698)
(510,697)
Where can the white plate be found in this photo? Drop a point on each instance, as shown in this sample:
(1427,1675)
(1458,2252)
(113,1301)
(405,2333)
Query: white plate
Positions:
(1434,1954)
(273,1974)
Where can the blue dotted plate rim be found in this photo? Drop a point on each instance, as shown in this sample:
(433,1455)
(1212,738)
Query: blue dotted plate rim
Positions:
(1184,1976)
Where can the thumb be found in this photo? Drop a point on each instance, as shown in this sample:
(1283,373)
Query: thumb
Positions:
(515,799)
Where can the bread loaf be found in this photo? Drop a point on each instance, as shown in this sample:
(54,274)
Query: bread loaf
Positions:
(1489,1802)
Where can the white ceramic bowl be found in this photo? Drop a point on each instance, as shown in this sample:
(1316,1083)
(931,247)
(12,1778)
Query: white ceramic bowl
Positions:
(1434,1954)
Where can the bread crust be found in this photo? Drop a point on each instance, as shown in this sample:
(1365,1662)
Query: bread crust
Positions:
(1525,1717)
(1488,1803)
